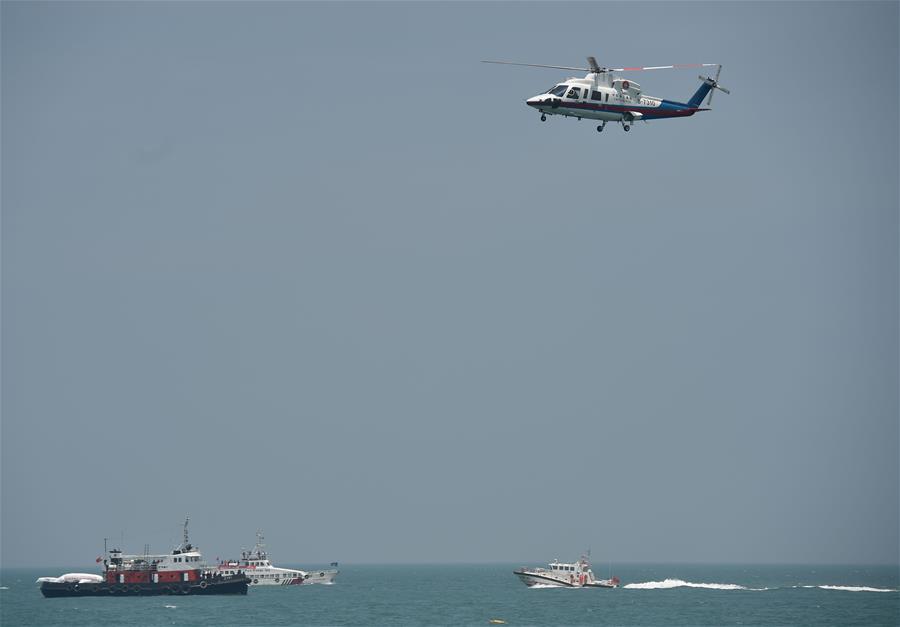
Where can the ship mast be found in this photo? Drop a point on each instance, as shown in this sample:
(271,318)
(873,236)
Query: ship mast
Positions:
(185,545)
(260,546)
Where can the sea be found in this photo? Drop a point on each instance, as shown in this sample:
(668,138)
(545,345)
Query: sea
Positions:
(476,594)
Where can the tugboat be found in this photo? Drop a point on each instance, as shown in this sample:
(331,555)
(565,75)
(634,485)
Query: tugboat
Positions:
(576,575)
(181,572)
(261,572)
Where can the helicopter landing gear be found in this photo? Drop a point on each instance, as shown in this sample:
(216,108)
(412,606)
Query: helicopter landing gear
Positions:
(601,127)
(543,118)
(626,127)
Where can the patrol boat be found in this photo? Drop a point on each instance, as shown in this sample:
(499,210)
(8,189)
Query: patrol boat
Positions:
(261,572)
(562,575)
(180,572)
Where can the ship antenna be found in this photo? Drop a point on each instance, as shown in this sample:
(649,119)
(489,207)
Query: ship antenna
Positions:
(184,546)
(260,547)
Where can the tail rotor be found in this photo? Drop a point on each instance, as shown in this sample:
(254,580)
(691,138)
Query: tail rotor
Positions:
(713,84)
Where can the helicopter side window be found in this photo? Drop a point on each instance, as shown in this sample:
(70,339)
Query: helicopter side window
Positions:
(574,92)
(596,95)
(559,90)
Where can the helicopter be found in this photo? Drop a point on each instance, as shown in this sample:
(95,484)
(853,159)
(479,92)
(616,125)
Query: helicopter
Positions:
(603,96)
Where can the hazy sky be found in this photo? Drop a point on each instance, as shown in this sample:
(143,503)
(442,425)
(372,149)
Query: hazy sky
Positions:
(313,268)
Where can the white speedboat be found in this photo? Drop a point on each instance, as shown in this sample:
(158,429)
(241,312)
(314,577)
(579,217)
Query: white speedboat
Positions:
(256,565)
(562,575)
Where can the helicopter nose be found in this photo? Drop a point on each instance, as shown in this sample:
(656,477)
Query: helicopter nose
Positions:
(533,102)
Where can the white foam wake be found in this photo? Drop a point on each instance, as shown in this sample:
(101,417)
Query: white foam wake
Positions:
(680,583)
(855,588)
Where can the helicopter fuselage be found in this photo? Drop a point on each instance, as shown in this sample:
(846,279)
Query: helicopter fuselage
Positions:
(603,97)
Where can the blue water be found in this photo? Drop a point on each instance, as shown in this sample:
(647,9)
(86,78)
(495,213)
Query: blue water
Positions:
(474,594)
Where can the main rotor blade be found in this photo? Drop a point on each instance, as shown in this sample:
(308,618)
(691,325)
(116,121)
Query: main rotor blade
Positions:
(555,67)
(678,66)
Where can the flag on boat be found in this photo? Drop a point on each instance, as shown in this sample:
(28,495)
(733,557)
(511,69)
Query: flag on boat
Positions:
(99,558)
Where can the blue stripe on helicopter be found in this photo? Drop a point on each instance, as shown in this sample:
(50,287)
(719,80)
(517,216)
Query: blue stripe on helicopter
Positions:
(666,109)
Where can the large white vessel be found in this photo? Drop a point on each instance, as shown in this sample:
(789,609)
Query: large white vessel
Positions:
(562,575)
(256,565)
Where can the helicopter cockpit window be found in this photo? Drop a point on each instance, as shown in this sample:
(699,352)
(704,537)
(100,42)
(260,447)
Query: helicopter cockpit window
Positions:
(559,90)
(574,92)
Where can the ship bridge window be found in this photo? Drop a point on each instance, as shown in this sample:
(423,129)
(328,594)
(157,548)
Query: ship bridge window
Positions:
(559,90)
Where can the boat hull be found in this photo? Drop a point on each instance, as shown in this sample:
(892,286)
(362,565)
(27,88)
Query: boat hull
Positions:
(536,579)
(263,576)
(601,584)
(320,576)
(233,585)
(255,580)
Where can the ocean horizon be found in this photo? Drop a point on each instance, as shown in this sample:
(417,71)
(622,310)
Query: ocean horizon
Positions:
(474,594)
